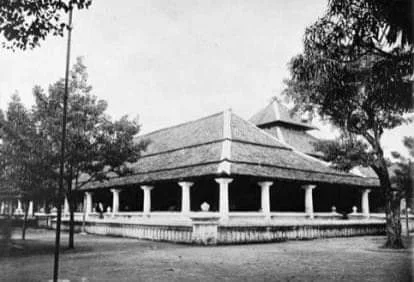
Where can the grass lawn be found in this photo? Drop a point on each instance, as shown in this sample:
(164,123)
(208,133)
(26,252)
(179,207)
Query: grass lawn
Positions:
(119,259)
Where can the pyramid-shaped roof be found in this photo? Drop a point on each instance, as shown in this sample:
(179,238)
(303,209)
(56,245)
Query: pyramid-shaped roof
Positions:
(224,144)
(275,113)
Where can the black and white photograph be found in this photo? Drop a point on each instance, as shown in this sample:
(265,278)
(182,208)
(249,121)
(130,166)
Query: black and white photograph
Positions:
(206,140)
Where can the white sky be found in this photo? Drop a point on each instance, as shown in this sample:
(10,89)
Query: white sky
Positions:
(174,61)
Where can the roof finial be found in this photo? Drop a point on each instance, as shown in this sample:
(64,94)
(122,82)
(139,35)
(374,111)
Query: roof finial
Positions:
(274,99)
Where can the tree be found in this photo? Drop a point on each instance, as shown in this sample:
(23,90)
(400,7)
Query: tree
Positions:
(345,152)
(24,162)
(25,23)
(353,28)
(356,73)
(403,173)
(97,147)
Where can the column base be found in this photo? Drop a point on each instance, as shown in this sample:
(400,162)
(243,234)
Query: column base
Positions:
(223,219)
(310,216)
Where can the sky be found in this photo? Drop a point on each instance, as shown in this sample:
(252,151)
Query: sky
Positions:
(174,61)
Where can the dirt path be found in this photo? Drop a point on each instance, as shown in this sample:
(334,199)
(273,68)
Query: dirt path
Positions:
(119,259)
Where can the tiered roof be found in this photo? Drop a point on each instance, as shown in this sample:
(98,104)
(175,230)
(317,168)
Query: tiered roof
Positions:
(277,113)
(288,127)
(224,144)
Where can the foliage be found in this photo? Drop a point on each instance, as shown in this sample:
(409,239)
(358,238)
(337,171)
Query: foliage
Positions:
(345,152)
(25,158)
(354,57)
(355,71)
(96,145)
(25,23)
(353,28)
(403,172)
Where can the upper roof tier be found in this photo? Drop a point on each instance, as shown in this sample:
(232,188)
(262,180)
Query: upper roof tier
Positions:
(277,113)
(224,144)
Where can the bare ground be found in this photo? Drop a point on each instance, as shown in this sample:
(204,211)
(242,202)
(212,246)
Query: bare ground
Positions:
(119,259)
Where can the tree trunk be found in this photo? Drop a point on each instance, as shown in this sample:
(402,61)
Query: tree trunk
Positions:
(392,208)
(24,227)
(71,242)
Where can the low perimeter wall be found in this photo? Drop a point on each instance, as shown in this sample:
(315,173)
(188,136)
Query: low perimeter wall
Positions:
(250,234)
(211,232)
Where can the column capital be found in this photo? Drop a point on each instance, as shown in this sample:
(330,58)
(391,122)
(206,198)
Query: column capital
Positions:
(147,187)
(265,183)
(309,186)
(223,180)
(185,183)
(114,190)
(366,190)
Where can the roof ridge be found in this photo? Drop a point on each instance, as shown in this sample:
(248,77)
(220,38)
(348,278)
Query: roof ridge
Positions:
(277,115)
(294,150)
(262,131)
(224,166)
(180,124)
(289,146)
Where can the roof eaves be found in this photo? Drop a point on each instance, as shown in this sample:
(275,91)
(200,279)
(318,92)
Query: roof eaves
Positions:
(338,174)
(281,122)
(294,150)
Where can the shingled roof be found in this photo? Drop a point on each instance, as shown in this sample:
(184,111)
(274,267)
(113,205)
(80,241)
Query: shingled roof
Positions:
(299,139)
(288,127)
(277,113)
(224,144)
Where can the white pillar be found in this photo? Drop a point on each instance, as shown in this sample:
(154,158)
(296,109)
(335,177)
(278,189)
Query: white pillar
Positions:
(147,199)
(185,196)
(2,207)
(224,197)
(19,209)
(30,210)
(115,200)
(265,198)
(66,210)
(88,203)
(365,202)
(309,199)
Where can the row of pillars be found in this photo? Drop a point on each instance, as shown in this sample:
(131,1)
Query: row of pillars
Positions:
(185,206)
(223,199)
(6,207)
